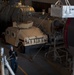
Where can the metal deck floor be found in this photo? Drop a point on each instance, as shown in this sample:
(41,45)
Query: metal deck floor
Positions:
(36,66)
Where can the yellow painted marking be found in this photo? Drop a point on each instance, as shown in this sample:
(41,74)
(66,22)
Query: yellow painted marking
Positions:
(22,70)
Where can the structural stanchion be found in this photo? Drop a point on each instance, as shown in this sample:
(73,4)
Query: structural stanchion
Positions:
(2,61)
(5,67)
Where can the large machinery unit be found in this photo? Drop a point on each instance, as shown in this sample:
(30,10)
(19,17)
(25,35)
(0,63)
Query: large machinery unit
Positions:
(10,13)
(21,13)
(15,11)
(25,36)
